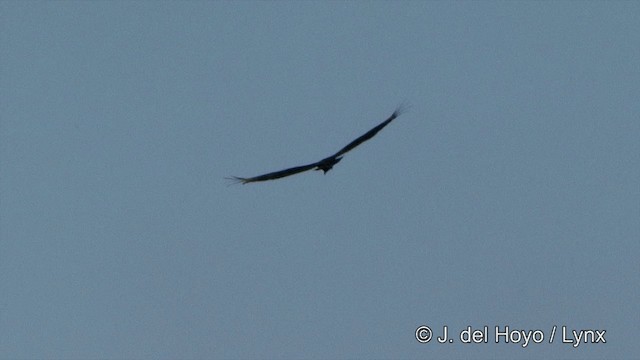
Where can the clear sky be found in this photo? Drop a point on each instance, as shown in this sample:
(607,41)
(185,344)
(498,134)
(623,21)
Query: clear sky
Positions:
(509,194)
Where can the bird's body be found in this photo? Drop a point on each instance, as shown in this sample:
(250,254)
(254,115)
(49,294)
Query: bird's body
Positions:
(325,164)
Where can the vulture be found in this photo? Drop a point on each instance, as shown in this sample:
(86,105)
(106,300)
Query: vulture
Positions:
(325,164)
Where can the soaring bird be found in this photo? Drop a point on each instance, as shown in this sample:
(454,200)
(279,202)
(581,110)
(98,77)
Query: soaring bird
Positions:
(327,163)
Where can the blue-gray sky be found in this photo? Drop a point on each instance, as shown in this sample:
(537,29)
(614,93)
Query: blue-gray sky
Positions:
(509,194)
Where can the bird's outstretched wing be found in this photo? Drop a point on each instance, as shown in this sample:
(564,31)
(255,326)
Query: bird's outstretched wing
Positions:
(325,164)
(371,133)
(274,175)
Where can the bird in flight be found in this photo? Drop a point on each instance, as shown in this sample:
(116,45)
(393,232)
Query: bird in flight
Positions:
(325,164)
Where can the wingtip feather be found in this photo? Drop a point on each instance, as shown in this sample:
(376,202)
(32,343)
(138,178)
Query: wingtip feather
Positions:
(402,108)
(234,180)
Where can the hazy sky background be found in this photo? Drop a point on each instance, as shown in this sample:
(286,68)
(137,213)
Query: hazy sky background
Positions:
(509,194)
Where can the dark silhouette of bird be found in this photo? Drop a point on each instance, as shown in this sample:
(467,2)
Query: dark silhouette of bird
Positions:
(325,164)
